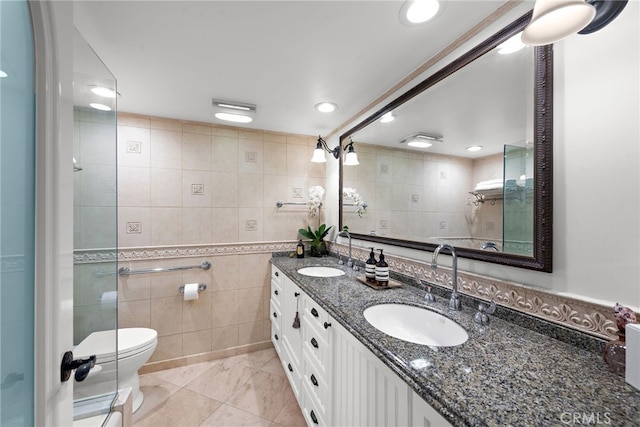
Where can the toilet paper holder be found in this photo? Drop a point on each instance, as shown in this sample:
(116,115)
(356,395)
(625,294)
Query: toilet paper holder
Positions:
(201,287)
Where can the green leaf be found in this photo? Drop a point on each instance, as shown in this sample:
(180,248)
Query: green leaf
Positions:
(307,233)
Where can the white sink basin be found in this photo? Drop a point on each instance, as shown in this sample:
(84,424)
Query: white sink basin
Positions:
(416,325)
(321,271)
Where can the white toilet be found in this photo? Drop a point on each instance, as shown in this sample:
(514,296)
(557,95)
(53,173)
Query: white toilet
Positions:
(135,347)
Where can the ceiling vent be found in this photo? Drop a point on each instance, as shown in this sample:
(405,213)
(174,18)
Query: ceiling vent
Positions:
(421,140)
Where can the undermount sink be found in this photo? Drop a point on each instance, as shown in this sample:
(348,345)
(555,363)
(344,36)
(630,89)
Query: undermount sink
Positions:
(416,325)
(321,271)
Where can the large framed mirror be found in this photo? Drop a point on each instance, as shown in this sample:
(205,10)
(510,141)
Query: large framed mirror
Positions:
(493,204)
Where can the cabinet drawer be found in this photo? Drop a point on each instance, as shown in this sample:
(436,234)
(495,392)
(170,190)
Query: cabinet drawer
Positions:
(276,275)
(312,414)
(317,317)
(276,338)
(276,294)
(292,372)
(316,346)
(317,384)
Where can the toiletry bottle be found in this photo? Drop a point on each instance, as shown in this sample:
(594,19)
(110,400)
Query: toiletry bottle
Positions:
(370,268)
(382,271)
(300,249)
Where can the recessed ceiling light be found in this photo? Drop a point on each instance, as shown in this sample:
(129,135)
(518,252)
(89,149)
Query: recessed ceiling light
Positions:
(236,118)
(326,107)
(100,107)
(387,118)
(414,12)
(3,74)
(512,45)
(474,148)
(103,91)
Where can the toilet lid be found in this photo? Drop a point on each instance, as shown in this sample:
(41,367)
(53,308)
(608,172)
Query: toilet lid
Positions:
(102,343)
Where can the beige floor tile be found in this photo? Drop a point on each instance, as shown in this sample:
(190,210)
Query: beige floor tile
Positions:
(183,375)
(274,366)
(184,408)
(155,391)
(232,417)
(263,394)
(221,380)
(291,415)
(256,359)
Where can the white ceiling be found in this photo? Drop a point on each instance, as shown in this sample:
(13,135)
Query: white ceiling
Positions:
(170,58)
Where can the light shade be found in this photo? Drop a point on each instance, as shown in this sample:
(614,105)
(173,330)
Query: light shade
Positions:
(351,158)
(318,154)
(553,20)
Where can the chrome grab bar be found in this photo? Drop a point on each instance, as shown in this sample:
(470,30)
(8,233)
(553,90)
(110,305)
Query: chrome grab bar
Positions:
(125,271)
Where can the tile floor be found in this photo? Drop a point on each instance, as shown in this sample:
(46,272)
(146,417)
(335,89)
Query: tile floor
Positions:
(245,390)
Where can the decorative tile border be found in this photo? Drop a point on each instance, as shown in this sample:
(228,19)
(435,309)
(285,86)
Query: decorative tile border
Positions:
(591,318)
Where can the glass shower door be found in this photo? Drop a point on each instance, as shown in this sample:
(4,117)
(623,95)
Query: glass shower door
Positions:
(518,200)
(17,214)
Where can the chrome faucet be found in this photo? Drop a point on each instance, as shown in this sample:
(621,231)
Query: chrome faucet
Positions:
(345,233)
(335,243)
(454,302)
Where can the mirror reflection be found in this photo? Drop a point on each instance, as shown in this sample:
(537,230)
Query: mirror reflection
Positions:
(453,162)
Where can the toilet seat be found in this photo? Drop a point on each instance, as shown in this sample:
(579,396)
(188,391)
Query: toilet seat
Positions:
(131,341)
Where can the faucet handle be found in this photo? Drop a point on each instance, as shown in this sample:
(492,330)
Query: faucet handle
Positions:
(482,316)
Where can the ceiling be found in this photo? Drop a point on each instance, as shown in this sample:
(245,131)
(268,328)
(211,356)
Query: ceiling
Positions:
(170,58)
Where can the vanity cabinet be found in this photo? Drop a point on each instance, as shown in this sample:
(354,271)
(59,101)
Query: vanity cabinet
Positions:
(335,378)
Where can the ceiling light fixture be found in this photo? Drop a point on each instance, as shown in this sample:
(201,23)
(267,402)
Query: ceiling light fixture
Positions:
(232,111)
(414,12)
(102,91)
(421,140)
(326,107)
(554,20)
(475,148)
(100,107)
(351,159)
(388,117)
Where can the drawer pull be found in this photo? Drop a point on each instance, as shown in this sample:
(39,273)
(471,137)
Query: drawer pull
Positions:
(290,367)
(327,325)
(314,343)
(275,314)
(314,312)
(313,417)
(296,294)
(275,292)
(277,274)
(314,381)
(276,337)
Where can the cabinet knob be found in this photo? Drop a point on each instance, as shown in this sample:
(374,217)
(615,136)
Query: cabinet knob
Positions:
(313,417)
(276,337)
(327,325)
(296,294)
(314,312)
(277,274)
(314,342)
(314,381)
(275,314)
(290,367)
(275,292)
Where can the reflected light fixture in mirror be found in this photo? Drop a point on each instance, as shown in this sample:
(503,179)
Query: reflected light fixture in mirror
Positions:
(325,107)
(102,91)
(351,158)
(232,111)
(554,20)
(3,74)
(100,107)
(421,140)
(388,117)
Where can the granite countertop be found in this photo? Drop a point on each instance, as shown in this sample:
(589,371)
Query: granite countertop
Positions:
(504,375)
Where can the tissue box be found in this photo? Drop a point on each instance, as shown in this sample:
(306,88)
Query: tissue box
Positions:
(632,375)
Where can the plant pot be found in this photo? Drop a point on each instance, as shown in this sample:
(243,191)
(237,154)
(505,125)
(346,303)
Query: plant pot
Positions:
(318,249)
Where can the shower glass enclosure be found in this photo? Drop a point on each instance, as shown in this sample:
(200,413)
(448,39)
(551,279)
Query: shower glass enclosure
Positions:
(518,200)
(95,218)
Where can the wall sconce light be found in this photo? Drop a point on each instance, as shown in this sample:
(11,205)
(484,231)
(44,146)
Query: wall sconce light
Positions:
(554,20)
(351,159)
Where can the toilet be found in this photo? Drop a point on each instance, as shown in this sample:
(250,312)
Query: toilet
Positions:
(135,347)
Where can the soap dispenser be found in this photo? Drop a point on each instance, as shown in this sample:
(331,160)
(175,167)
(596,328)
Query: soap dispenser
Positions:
(382,271)
(300,249)
(370,268)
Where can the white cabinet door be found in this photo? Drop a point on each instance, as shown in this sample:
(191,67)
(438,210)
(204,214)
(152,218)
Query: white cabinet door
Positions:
(366,392)
(423,415)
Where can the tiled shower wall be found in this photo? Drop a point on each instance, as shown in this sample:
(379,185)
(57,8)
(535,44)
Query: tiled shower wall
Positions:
(196,185)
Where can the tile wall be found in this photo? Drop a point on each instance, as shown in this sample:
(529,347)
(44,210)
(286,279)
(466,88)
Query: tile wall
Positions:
(196,185)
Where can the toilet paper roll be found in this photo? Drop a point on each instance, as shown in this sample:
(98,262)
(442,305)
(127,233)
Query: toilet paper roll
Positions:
(191,291)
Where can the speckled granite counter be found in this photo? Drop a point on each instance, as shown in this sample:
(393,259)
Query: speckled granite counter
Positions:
(504,375)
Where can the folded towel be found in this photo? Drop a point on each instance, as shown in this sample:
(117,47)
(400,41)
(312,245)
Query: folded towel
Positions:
(489,184)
